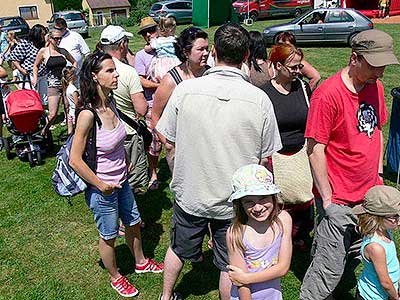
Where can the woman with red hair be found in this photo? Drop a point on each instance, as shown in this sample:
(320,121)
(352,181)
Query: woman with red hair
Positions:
(308,70)
(289,96)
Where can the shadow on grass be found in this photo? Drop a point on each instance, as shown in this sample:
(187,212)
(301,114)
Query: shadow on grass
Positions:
(201,279)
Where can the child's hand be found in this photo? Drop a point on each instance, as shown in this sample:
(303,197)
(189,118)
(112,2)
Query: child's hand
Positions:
(236,275)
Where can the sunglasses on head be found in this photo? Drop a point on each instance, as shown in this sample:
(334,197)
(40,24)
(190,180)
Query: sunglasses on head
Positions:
(193,31)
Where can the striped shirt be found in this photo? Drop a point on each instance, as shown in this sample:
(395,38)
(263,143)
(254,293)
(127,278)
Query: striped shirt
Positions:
(111,164)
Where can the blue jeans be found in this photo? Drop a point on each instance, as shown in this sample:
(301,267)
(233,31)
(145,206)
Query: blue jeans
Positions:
(108,208)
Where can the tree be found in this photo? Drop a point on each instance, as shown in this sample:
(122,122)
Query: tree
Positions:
(60,5)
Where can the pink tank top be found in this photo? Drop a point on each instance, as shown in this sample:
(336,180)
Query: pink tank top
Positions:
(111,164)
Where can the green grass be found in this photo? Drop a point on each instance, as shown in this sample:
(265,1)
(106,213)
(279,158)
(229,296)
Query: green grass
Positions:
(48,249)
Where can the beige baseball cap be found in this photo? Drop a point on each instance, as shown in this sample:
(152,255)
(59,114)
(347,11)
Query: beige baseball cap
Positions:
(376,46)
(380,200)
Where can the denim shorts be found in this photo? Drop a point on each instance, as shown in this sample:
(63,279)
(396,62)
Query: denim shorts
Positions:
(107,209)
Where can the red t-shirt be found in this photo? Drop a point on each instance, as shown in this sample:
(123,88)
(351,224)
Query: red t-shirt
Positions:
(349,124)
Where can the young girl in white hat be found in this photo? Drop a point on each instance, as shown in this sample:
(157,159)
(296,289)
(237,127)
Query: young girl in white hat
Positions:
(259,240)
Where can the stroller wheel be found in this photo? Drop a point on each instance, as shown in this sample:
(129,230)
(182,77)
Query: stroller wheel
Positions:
(39,160)
(7,148)
(30,158)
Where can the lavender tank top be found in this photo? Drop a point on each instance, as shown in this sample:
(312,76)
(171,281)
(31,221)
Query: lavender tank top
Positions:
(111,164)
(256,261)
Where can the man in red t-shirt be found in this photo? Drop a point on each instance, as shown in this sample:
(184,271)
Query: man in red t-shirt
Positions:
(345,146)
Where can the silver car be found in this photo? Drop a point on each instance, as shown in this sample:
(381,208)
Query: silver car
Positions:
(76,21)
(322,25)
(180,10)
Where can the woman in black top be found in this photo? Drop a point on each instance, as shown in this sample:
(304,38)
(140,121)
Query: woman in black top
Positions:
(55,59)
(289,96)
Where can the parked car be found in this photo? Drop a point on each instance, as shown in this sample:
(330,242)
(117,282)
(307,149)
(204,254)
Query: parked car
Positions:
(76,21)
(323,25)
(180,10)
(16,24)
(255,9)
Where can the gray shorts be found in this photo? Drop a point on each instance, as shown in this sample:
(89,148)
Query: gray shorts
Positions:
(187,235)
(335,241)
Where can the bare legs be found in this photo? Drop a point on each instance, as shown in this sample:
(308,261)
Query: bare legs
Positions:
(53,109)
(134,241)
(107,251)
(225,286)
(153,162)
(107,254)
(172,268)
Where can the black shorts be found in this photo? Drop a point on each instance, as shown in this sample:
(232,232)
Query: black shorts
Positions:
(187,235)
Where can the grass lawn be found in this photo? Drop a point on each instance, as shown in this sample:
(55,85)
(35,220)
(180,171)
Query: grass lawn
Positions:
(48,249)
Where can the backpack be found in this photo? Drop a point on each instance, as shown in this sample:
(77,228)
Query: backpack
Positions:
(66,182)
(138,178)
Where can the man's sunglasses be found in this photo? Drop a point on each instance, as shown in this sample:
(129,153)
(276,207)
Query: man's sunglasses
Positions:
(148,30)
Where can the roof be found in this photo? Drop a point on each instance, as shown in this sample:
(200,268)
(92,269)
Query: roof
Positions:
(108,3)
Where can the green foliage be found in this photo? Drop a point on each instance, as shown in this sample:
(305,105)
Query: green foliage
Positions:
(60,5)
(139,10)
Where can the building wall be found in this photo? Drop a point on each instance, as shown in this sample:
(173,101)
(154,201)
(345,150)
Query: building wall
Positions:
(39,11)
(102,16)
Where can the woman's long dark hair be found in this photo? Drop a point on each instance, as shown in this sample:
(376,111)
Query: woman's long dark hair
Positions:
(258,50)
(36,35)
(89,93)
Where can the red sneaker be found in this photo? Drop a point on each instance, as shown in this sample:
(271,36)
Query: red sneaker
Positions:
(149,266)
(124,287)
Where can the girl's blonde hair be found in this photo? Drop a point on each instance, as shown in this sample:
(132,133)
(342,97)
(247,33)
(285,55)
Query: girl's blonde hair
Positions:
(241,218)
(368,224)
(167,26)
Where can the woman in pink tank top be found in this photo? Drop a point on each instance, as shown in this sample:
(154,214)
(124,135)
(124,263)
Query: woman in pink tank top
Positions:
(108,195)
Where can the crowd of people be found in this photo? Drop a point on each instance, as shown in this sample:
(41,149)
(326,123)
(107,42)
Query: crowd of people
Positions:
(241,126)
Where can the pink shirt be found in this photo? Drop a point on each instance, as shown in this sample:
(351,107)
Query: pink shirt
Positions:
(111,164)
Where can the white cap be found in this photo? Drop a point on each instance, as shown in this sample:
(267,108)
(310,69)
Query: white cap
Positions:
(112,34)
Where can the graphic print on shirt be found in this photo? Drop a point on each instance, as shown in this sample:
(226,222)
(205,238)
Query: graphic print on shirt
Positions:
(260,263)
(367,119)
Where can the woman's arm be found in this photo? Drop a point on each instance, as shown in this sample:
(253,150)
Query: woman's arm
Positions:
(83,126)
(75,96)
(312,74)
(377,255)
(236,258)
(161,97)
(36,64)
(276,271)
(19,67)
(70,58)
